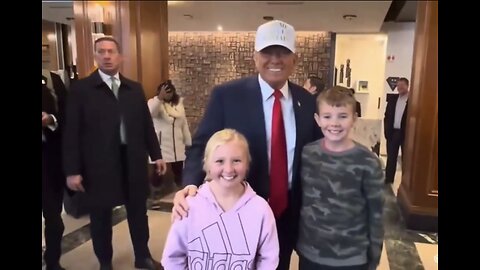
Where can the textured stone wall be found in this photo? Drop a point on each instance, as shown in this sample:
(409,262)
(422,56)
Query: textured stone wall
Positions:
(200,60)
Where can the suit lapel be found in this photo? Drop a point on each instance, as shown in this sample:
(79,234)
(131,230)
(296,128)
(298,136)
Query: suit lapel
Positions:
(297,106)
(256,100)
(302,122)
(256,114)
(96,80)
(99,84)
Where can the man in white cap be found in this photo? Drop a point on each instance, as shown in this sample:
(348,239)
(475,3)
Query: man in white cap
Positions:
(276,117)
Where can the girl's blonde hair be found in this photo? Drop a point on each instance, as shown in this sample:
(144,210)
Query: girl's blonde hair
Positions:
(220,138)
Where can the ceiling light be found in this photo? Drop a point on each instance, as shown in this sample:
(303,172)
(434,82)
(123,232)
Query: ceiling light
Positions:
(285,3)
(171,3)
(349,17)
(219,28)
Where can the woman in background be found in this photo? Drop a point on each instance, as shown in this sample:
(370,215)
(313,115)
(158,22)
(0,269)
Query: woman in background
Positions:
(170,122)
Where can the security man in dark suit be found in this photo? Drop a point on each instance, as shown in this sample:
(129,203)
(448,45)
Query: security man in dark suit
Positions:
(53,179)
(394,127)
(108,134)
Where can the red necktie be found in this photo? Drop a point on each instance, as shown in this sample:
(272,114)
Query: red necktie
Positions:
(278,160)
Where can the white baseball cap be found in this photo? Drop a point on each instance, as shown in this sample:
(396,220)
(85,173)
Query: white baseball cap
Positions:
(275,33)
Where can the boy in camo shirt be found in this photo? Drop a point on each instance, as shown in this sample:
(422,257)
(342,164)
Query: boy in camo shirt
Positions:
(342,181)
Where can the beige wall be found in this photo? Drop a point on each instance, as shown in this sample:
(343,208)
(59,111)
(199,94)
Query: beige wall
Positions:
(400,45)
(367,54)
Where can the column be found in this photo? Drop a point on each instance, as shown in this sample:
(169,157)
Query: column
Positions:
(418,192)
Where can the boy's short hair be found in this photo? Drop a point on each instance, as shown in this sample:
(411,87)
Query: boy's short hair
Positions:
(337,96)
(220,138)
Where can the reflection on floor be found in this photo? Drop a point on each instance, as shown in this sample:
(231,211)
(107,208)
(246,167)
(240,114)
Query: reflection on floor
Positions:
(83,258)
(403,249)
(428,254)
(71,224)
(398,175)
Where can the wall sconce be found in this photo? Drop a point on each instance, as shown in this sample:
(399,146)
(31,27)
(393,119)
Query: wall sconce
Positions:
(97,19)
(97,28)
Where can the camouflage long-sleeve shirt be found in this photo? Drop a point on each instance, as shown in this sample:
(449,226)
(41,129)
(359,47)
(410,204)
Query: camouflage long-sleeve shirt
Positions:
(342,206)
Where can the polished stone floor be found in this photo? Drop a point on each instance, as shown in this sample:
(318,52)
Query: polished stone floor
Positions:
(403,249)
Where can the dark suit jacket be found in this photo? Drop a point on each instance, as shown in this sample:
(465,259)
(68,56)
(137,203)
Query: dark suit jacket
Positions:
(238,104)
(51,149)
(92,139)
(61,95)
(48,102)
(390,116)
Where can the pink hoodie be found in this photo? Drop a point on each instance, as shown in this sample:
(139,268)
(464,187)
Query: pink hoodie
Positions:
(243,238)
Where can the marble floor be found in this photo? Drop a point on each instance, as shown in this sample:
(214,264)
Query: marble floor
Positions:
(403,249)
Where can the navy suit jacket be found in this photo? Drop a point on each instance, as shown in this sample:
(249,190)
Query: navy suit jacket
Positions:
(238,105)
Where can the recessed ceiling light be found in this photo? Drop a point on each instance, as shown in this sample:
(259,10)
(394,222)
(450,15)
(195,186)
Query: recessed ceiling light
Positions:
(349,17)
(285,3)
(171,3)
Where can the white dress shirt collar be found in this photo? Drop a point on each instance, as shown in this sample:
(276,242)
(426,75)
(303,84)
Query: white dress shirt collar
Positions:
(107,78)
(267,90)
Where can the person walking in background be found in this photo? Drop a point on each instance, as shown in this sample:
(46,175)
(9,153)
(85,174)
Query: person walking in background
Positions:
(314,85)
(108,135)
(276,117)
(358,106)
(394,127)
(341,223)
(171,126)
(249,238)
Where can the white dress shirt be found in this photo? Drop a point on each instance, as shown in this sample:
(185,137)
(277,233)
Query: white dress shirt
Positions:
(108,80)
(288,121)
(52,127)
(399,108)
